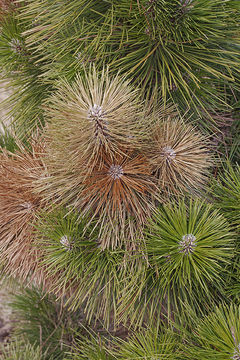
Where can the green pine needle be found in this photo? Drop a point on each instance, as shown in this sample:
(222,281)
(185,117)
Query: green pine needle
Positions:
(226,191)
(216,336)
(189,246)
(20,349)
(81,272)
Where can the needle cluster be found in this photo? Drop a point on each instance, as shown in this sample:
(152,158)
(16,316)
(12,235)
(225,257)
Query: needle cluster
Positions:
(19,205)
(179,156)
(106,170)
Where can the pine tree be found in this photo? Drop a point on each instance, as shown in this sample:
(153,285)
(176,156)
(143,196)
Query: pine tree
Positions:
(119,178)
